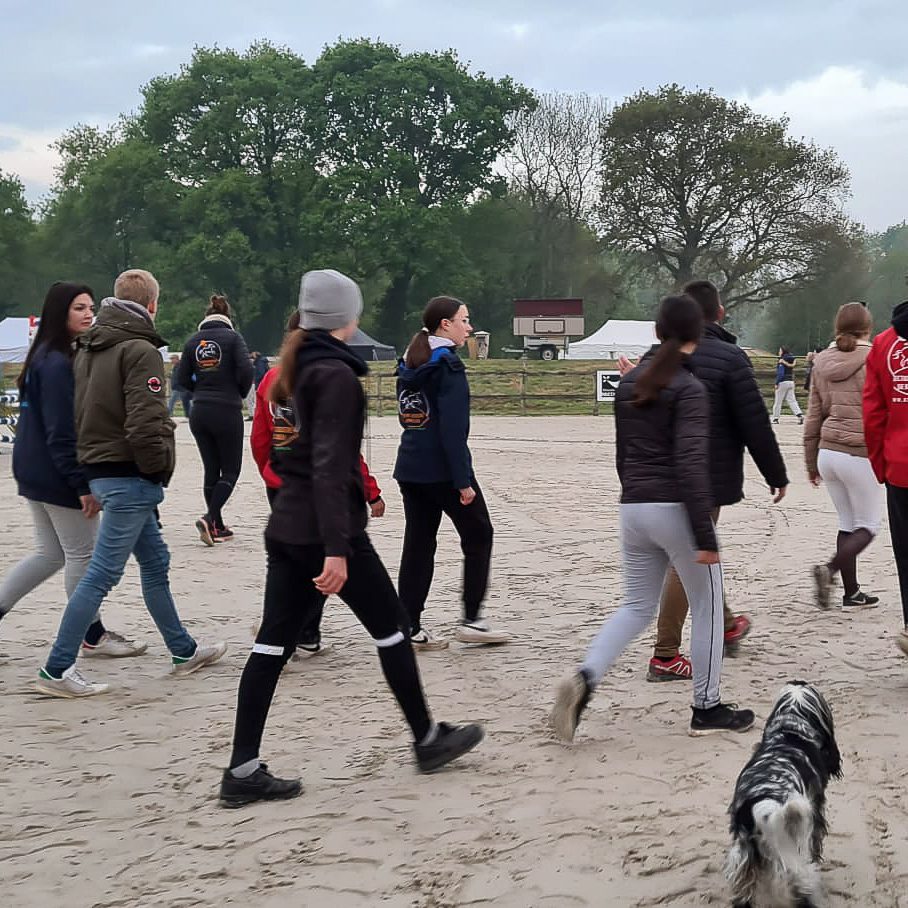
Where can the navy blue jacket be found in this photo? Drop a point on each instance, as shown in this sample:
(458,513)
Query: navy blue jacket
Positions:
(44,453)
(433,404)
(215,365)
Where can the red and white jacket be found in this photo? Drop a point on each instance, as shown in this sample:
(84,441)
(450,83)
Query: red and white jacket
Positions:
(886,408)
(262,440)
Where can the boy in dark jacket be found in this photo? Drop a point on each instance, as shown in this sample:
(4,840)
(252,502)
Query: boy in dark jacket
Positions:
(126,447)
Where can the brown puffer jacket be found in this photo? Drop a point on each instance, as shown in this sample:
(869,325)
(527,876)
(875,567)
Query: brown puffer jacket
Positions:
(121,410)
(834,417)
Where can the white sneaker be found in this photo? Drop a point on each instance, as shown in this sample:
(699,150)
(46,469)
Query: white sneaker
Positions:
(114,646)
(71,685)
(423,641)
(480,632)
(203,655)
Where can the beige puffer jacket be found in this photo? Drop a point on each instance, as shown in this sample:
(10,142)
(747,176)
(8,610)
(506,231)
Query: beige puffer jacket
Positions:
(834,418)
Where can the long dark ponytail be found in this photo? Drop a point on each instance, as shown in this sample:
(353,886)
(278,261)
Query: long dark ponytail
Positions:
(438,309)
(53,333)
(679,322)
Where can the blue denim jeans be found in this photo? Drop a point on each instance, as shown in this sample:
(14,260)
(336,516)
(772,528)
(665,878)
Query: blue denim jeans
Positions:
(128,526)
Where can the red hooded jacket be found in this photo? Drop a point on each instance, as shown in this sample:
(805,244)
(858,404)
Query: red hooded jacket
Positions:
(262,439)
(886,406)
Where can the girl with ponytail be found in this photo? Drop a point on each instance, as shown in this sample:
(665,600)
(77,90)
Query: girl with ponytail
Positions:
(836,452)
(435,472)
(662,425)
(216,368)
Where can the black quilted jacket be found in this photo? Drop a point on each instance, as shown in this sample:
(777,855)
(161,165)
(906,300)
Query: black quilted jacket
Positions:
(738,417)
(662,451)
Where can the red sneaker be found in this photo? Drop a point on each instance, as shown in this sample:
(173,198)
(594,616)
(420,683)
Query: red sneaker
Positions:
(677,669)
(221,534)
(738,632)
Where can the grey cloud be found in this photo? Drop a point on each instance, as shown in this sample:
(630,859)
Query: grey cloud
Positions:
(69,61)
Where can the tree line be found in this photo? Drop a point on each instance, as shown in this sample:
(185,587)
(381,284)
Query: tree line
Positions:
(418,176)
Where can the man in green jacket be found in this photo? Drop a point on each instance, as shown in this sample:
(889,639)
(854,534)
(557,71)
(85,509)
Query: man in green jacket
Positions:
(126,446)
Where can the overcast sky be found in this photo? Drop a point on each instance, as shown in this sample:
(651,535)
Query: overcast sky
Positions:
(839,70)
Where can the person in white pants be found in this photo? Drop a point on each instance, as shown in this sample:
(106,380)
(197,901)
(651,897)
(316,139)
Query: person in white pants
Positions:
(785,387)
(836,453)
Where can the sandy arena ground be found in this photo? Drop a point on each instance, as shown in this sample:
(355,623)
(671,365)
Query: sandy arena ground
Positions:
(112,801)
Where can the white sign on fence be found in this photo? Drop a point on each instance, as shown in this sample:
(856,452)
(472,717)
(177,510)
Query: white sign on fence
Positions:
(606,385)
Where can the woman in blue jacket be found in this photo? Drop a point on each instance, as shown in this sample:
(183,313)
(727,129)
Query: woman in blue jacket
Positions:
(435,472)
(45,466)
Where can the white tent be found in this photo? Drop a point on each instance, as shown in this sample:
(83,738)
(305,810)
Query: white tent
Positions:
(14,339)
(615,338)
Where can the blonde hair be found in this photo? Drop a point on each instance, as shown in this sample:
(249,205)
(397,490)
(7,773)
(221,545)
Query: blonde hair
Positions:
(137,286)
(852,321)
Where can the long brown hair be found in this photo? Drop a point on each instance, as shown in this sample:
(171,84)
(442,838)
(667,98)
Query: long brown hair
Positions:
(439,308)
(282,389)
(218,305)
(678,322)
(851,322)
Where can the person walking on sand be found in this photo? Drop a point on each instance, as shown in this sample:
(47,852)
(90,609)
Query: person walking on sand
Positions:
(273,428)
(435,472)
(217,369)
(737,421)
(885,403)
(836,453)
(785,387)
(317,544)
(662,425)
(47,470)
(126,448)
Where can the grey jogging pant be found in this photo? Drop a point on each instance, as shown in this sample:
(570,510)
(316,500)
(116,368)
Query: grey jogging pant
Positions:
(64,538)
(654,536)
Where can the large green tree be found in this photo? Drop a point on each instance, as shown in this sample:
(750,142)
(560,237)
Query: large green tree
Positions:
(704,187)
(233,130)
(18,292)
(404,140)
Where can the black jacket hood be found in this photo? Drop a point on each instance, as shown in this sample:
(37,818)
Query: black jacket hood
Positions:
(900,319)
(323,345)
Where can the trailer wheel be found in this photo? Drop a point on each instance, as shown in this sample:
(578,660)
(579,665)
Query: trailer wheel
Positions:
(548,353)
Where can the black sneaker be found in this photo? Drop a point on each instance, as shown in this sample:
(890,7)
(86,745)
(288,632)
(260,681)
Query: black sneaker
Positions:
(571,699)
(260,786)
(860,600)
(721,717)
(451,742)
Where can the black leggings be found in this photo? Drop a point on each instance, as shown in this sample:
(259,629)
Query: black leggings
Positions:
(311,630)
(424,503)
(289,596)
(897,500)
(218,434)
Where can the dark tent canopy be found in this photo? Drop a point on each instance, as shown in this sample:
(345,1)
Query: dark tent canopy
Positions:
(369,348)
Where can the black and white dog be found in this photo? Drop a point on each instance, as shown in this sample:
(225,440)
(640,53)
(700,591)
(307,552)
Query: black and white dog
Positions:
(777,814)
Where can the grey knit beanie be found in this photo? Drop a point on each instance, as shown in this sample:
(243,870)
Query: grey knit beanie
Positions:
(328,300)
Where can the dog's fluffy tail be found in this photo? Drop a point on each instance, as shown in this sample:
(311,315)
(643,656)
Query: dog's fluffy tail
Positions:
(776,855)
(785,830)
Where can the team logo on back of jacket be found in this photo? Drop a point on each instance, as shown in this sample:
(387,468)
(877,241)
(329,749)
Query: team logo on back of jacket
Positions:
(413,409)
(286,425)
(208,354)
(897,360)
